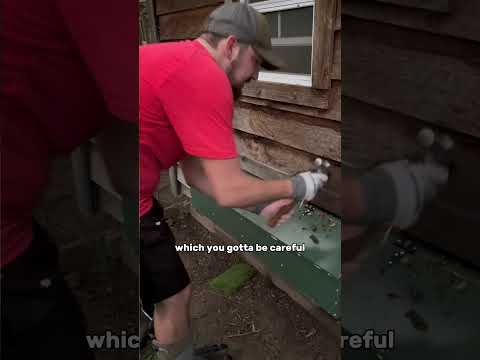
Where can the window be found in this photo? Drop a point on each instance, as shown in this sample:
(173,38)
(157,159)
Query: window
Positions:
(291,26)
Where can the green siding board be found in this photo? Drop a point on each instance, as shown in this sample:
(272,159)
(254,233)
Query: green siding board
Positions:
(298,269)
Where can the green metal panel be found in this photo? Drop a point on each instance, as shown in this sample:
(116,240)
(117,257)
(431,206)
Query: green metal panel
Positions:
(314,273)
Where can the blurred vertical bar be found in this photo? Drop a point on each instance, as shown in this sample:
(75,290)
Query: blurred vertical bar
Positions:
(69,98)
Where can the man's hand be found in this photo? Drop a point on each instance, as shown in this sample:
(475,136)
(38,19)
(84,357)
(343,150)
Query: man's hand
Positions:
(307,184)
(415,185)
(396,192)
(269,211)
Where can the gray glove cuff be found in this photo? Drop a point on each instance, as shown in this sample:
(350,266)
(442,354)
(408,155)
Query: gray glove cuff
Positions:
(299,187)
(380,199)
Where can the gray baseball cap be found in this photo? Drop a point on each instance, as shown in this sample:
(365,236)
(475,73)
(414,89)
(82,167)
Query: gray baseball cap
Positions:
(249,27)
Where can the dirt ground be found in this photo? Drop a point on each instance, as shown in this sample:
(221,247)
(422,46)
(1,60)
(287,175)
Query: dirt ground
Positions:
(106,289)
(260,322)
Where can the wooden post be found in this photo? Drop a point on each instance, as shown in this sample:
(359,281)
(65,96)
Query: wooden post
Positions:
(148,32)
(324,27)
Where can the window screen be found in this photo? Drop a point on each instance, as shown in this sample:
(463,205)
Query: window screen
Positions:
(291,32)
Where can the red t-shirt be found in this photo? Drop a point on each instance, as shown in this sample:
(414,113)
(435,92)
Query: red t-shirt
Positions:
(186,108)
(67,69)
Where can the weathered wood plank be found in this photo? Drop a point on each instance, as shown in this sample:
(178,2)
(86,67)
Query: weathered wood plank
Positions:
(332,113)
(291,94)
(433,5)
(338,19)
(371,134)
(337,56)
(148,30)
(462,23)
(322,51)
(303,110)
(437,89)
(322,139)
(184,25)
(171,6)
(270,160)
(261,170)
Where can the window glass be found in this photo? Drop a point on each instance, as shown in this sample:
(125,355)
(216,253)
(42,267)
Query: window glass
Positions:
(297,22)
(291,32)
(298,59)
(273,22)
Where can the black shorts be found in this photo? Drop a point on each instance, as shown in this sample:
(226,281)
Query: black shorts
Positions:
(40,316)
(162,273)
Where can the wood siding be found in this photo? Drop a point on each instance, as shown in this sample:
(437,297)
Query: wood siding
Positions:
(410,67)
(281,128)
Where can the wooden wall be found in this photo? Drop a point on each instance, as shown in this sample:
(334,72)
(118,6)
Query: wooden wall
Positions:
(412,66)
(183,19)
(280,129)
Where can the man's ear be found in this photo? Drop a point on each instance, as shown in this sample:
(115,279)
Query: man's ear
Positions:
(230,46)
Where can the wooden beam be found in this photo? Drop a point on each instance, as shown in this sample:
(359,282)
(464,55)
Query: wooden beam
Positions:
(290,94)
(148,28)
(184,25)
(321,140)
(438,89)
(337,56)
(432,5)
(261,170)
(338,19)
(171,6)
(270,160)
(322,51)
(332,113)
(462,23)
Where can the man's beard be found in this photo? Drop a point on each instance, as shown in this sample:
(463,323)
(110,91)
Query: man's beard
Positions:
(236,89)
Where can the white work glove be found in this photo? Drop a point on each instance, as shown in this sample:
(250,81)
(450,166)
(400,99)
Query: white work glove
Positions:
(308,183)
(396,192)
(415,185)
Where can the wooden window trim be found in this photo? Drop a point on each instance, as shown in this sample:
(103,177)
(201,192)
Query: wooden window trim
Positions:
(324,20)
(290,94)
(285,78)
(281,5)
(324,24)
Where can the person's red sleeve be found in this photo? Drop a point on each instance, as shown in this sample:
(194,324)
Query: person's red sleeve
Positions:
(106,35)
(199,105)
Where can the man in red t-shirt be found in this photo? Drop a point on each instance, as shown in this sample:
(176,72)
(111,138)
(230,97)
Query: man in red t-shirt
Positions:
(186,108)
(187,91)
(69,68)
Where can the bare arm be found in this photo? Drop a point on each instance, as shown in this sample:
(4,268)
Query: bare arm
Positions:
(230,186)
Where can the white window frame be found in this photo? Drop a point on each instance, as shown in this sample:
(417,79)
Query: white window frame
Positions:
(279,5)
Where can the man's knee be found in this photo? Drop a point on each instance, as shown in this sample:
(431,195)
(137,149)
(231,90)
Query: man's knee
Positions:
(181,299)
(172,318)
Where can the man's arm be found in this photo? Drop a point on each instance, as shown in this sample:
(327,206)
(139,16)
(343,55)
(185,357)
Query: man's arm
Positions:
(230,186)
